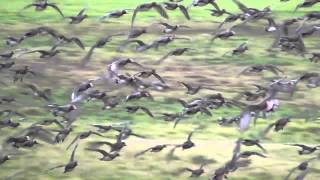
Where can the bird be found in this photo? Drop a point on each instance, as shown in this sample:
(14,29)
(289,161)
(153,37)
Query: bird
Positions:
(134,109)
(153,149)
(171,28)
(306,4)
(173,6)
(175,52)
(259,68)
(246,154)
(73,163)
(192,90)
(305,149)
(114,14)
(42,5)
(226,34)
(82,15)
(301,167)
(278,125)
(252,142)
(19,74)
(139,95)
(43,94)
(99,44)
(45,54)
(146,7)
(149,73)
(58,110)
(83,135)
(105,155)
(196,172)
(6,65)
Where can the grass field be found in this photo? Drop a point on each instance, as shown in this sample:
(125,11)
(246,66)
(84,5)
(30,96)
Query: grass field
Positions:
(205,65)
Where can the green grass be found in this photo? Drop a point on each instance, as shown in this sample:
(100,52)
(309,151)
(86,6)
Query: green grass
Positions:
(204,65)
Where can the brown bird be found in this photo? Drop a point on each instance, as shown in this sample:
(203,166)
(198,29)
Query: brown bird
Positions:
(259,68)
(278,125)
(146,7)
(305,149)
(83,135)
(43,94)
(99,44)
(79,17)
(43,5)
(173,6)
(105,155)
(139,95)
(134,109)
(171,28)
(192,90)
(175,52)
(153,149)
(73,163)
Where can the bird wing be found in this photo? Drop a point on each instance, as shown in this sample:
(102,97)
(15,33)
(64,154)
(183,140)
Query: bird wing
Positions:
(273,69)
(302,175)
(78,42)
(33,87)
(86,59)
(245,121)
(72,157)
(299,145)
(146,110)
(104,153)
(135,12)
(56,8)
(73,141)
(241,6)
(266,130)
(82,12)
(142,152)
(161,10)
(184,11)
(164,57)
(189,87)
(28,6)
(158,77)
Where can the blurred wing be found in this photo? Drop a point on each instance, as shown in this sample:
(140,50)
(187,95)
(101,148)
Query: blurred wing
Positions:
(245,121)
(161,11)
(184,11)
(56,8)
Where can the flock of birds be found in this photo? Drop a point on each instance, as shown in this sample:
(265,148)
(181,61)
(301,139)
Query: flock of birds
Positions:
(258,103)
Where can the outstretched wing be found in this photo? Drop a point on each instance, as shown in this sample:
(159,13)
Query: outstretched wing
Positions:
(78,42)
(146,110)
(184,11)
(161,10)
(56,8)
(142,152)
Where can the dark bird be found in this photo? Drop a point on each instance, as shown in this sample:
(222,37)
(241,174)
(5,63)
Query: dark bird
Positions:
(140,47)
(19,74)
(253,142)
(42,5)
(149,73)
(192,90)
(278,125)
(125,132)
(79,17)
(99,44)
(218,13)
(306,4)
(102,128)
(146,7)
(259,68)
(134,109)
(171,28)
(175,52)
(114,147)
(44,53)
(200,3)
(8,123)
(58,110)
(83,135)
(6,65)
(301,167)
(226,34)
(43,94)
(7,55)
(114,14)
(188,143)
(12,41)
(139,95)
(105,155)
(173,6)
(305,149)
(73,163)
(153,149)
(247,154)
(110,102)
(196,172)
